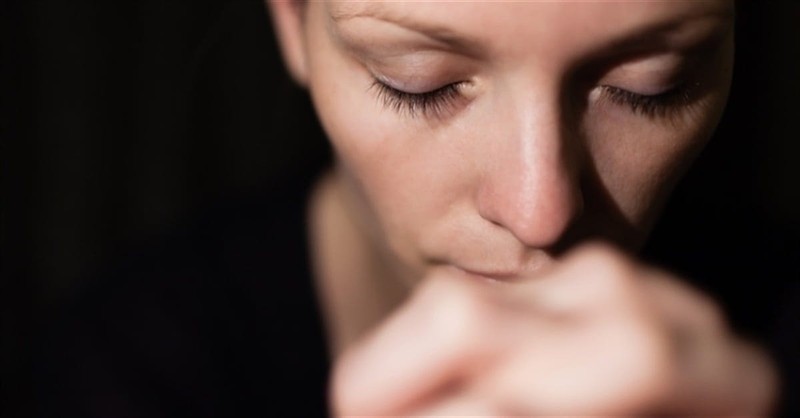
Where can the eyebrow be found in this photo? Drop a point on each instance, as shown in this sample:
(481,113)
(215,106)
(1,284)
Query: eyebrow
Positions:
(651,35)
(441,35)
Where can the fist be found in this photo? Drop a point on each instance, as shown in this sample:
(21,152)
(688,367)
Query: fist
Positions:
(596,334)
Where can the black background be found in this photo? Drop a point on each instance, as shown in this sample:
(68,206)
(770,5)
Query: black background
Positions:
(120,119)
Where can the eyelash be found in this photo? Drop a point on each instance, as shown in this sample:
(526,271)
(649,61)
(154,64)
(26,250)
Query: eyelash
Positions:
(660,105)
(436,103)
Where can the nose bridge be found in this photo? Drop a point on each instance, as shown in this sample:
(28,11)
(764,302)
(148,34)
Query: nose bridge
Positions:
(532,189)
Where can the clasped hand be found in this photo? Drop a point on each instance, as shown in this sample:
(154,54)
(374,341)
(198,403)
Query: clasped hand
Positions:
(596,334)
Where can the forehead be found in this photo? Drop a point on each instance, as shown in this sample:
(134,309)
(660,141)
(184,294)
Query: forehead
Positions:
(566,27)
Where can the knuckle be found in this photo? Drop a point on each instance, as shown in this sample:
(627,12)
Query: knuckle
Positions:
(466,314)
(597,249)
(650,368)
(458,312)
(343,391)
(603,273)
(604,261)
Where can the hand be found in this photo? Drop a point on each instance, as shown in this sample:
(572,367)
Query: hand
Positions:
(597,334)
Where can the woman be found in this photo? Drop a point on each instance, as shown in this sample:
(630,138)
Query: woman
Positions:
(498,166)
(478,144)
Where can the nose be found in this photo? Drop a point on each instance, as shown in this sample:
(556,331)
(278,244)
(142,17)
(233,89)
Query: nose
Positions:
(531,186)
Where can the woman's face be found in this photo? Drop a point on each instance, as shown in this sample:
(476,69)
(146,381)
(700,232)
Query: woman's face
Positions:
(491,136)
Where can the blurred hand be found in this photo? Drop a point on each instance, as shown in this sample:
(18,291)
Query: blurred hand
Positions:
(597,334)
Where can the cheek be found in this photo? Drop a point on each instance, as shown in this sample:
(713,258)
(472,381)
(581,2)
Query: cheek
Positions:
(404,173)
(636,161)
(404,179)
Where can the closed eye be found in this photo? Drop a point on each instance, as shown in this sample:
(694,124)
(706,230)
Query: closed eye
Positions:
(653,106)
(434,103)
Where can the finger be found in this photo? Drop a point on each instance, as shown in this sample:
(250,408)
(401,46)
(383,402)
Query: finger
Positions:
(681,304)
(719,373)
(722,377)
(460,405)
(609,355)
(435,339)
(610,369)
(594,277)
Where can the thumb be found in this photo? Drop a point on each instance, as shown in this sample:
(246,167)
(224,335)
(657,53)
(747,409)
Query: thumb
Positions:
(421,350)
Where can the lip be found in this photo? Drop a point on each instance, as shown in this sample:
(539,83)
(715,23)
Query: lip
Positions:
(532,268)
(486,275)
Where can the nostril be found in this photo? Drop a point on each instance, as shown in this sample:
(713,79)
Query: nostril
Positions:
(539,217)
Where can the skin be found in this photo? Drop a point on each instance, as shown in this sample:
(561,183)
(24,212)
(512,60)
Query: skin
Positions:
(450,241)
